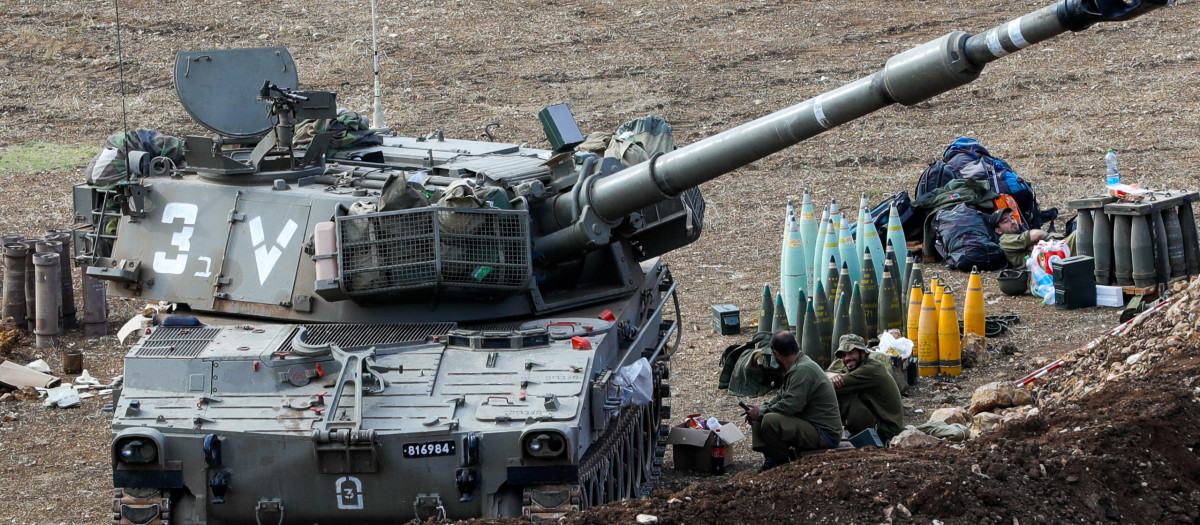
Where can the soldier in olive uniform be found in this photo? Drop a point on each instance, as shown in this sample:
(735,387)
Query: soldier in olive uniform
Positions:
(803,415)
(866,392)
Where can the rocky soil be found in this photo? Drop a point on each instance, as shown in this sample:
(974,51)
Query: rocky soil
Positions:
(1114,437)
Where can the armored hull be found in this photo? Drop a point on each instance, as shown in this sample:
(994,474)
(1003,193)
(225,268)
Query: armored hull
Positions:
(454,421)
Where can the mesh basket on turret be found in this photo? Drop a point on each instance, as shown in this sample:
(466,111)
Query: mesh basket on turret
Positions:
(419,254)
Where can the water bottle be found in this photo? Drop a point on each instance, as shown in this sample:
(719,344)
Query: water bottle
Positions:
(1111,176)
(1040,282)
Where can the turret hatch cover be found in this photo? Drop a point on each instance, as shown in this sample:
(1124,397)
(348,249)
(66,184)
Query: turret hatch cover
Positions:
(219,88)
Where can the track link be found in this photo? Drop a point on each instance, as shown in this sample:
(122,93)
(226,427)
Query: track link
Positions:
(624,463)
(137,506)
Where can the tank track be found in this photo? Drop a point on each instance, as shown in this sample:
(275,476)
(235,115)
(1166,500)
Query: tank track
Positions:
(624,463)
(141,507)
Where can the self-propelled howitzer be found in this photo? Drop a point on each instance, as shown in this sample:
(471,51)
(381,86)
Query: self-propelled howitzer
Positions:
(483,329)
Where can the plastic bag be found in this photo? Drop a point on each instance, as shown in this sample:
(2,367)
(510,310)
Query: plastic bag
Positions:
(897,346)
(636,383)
(1046,252)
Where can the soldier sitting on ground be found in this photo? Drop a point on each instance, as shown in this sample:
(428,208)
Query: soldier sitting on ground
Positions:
(867,394)
(803,415)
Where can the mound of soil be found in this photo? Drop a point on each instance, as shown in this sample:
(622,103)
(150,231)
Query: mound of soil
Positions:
(1116,438)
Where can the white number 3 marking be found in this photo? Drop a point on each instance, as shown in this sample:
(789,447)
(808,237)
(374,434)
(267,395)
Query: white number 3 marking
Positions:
(181,239)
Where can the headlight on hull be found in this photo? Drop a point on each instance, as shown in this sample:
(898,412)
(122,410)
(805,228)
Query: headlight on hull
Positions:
(136,450)
(546,444)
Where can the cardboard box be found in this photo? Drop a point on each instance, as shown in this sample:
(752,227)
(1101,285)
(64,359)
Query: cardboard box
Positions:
(1110,296)
(693,448)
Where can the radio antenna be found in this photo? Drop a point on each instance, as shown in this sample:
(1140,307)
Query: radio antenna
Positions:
(121,67)
(377,114)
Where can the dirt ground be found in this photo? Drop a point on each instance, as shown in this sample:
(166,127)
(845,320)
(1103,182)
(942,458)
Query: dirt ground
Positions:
(1124,451)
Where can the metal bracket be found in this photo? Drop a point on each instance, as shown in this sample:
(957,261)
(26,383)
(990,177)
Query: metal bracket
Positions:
(269,512)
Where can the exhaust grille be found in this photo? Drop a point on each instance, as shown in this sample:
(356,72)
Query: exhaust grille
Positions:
(171,341)
(353,335)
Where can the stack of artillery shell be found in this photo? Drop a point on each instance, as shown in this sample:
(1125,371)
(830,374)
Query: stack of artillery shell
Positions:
(1139,243)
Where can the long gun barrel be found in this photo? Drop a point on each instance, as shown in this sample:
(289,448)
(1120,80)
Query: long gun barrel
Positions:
(908,78)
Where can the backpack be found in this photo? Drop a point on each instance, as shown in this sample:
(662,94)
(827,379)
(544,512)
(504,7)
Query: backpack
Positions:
(973,161)
(911,219)
(963,240)
(938,174)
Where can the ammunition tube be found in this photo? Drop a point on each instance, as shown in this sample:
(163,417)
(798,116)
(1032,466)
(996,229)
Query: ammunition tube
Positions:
(95,305)
(65,257)
(30,297)
(47,325)
(14,282)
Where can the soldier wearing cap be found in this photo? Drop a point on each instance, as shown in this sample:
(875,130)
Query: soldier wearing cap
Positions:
(866,392)
(1015,240)
(803,415)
